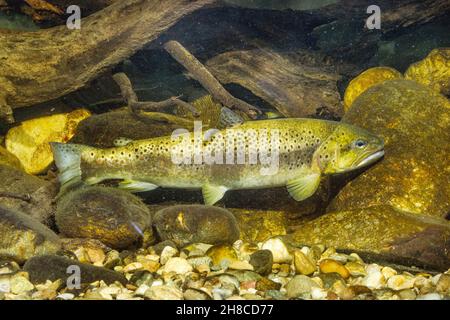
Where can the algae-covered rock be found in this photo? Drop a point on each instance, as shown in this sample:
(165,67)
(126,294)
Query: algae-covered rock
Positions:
(103,129)
(279,200)
(30,140)
(22,237)
(433,71)
(52,267)
(115,217)
(186,224)
(414,122)
(26,193)
(8,159)
(394,235)
(259,225)
(366,80)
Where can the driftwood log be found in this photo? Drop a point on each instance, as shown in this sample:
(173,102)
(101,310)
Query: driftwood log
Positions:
(297,84)
(44,65)
(40,66)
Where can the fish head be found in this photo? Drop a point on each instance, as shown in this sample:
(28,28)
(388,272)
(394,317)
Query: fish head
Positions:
(348,148)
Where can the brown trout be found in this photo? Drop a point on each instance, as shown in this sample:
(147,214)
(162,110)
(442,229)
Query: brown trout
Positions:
(257,154)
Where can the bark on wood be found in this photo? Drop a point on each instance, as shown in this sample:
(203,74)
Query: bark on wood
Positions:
(39,66)
(297,84)
(207,80)
(394,14)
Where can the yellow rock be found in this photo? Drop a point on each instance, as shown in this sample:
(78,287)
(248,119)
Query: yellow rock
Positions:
(330,266)
(433,71)
(8,159)
(303,264)
(356,269)
(29,142)
(259,225)
(367,79)
(222,256)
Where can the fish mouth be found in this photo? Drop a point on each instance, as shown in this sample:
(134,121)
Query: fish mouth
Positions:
(370,159)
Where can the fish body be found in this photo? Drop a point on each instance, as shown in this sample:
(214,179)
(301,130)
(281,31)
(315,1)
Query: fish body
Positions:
(255,154)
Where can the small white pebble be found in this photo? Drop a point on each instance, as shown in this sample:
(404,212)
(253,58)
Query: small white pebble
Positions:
(65,296)
(430,296)
(279,251)
(318,293)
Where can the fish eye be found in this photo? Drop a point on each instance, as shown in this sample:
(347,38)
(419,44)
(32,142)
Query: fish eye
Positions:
(360,143)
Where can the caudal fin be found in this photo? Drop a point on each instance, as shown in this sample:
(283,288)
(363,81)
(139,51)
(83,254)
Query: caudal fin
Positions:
(68,160)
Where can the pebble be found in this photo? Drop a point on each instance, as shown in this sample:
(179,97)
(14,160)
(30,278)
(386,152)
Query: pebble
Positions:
(285,270)
(203,268)
(388,272)
(65,296)
(430,296)
(443,284)
(318,293)
(265,284)
(141,290)
(20,284)
(329,279)
(240,265)
(167,253)
(159,247)
(303,264)
(343,292)
(374,278)
(177,265)
(300,287)
(331,266)
(279,250)
(164,292)
(222,256)
(262,261)
(407,294)
(5,284)
(222,293)
(195,294)
(400,282)
(134,266)
(356,269)
(244,275)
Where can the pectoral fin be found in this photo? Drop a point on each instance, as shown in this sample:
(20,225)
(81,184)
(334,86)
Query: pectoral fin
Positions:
(136,186)
(212,194)
(303,187)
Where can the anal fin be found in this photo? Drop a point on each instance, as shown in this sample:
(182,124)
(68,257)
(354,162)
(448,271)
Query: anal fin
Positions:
(136,186)
(212,194)
(304,186)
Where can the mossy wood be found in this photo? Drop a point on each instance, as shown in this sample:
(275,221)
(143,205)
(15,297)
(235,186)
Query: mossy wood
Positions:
(40,66)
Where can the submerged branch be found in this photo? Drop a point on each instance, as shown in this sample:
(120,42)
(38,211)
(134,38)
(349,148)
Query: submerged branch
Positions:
(207,80)
(137,107)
